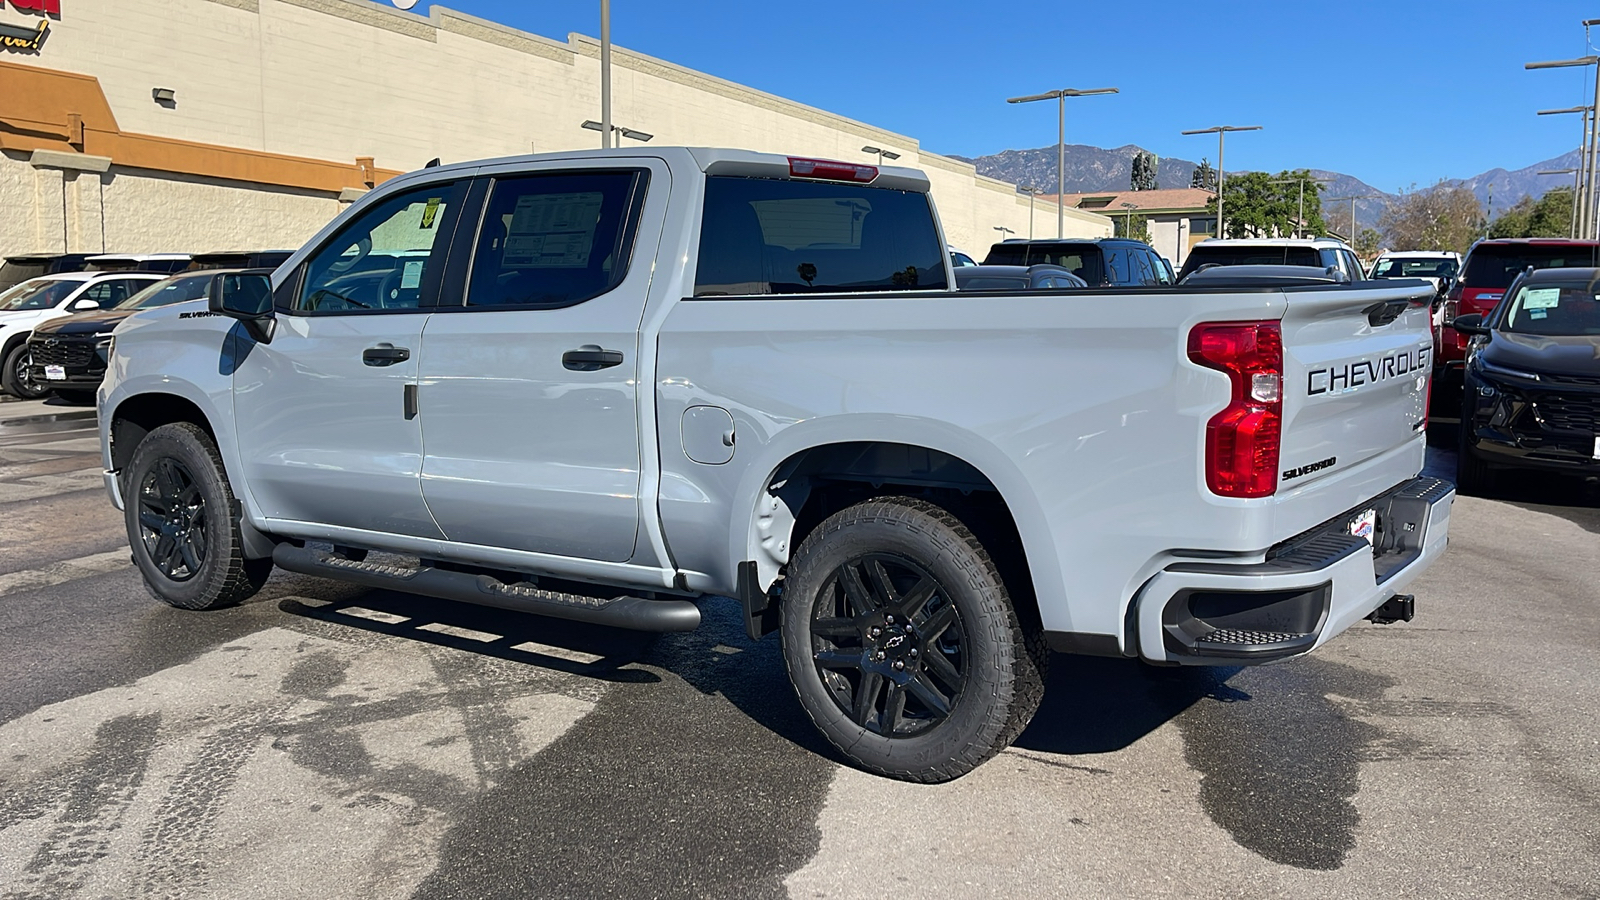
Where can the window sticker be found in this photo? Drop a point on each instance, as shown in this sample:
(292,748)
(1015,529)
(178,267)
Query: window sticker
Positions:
(411,274)
(552,231)
(430,211)
(1537,313)
(1541,298)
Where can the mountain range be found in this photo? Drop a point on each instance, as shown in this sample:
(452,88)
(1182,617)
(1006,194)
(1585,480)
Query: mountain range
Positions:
(1100,169)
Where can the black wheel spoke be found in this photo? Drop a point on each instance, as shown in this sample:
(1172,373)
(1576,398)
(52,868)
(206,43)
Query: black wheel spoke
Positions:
(928,695)
(834,628)
(164,553)
(894,705)
(172,514)
(190,553)
(837,659)
(866,700)
(881,583)
(860,598)
(918,597)
(151,519)
(936,625)
(940,665)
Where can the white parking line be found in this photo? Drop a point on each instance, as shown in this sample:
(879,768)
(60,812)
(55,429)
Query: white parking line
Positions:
(65,571)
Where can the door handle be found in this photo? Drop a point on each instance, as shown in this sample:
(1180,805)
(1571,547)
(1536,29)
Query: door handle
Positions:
(384,355)
(590,358)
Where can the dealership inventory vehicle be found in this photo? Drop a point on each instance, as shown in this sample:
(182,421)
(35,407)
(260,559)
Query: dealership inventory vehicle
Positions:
(603,385)
(238,259)
(1316,253)
(17,269)
(1488,270)
(163,263)
(1532,398)
(1439,267)
(48,297)
(1115,262)
(1015,278)
(68,355)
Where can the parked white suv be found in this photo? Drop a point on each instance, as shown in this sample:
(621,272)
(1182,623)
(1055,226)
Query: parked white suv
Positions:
(1434,266)
(47,297)
(1321,253)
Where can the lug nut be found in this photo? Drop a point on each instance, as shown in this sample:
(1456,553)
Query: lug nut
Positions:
(899,665)
(874,631)
(913,652)
(888,620)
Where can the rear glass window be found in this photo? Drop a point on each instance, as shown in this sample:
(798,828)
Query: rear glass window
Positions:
(766,236)
(1252,256)
(1425,267)
(1083,260)
(1491,266)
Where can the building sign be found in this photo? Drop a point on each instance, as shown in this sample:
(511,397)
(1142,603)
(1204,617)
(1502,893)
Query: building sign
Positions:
(21,37)
(48,7)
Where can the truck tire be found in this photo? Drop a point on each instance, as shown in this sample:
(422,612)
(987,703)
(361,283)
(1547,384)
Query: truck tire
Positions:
(1473,476)
(14,376)
(902,643)
(183,523)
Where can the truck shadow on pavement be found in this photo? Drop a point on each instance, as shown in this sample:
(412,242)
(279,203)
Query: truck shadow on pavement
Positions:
(1568,497)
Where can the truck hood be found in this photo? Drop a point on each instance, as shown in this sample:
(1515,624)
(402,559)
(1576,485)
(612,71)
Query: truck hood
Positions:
(86,323)
(1565,355)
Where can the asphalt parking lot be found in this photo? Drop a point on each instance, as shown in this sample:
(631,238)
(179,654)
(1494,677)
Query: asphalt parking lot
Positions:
(326,741)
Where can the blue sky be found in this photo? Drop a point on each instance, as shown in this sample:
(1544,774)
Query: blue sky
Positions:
(1394,93)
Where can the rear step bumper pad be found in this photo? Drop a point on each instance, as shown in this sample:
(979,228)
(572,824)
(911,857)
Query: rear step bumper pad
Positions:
(1310,589)
(635,613)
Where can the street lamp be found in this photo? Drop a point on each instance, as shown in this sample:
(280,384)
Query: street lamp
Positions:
(1300,220)
(1061,142)
(1579,195)
(1353,200)
(1221,131)
(639,136)
(1032,192)
(1573,231)
(1127,218)
(1003,231)
(882,154)
(605,76)
(1588,213)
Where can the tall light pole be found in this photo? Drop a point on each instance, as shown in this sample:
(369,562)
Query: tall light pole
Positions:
(1003,231)
(1353,227)
(1594,121)
(1032,192)
(640,136)
(1061,143)
(881,153)
(605,74)
(1300,221)
(1579,196)
(1573,231)
(1127,218)
(1221,131)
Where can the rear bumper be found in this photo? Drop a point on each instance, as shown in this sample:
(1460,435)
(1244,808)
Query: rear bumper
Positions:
(1308,589)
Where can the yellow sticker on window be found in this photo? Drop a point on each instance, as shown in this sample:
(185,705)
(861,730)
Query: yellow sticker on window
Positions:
(430,212)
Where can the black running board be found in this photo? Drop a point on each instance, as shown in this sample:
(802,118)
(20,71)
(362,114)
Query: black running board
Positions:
(634,613)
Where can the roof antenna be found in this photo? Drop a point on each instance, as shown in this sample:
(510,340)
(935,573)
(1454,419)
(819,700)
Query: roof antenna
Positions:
(431,163)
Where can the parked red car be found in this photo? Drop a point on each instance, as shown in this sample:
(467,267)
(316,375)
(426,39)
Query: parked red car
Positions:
(1490,267)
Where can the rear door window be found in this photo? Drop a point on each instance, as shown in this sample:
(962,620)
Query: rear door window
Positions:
(556,240)
(770,236)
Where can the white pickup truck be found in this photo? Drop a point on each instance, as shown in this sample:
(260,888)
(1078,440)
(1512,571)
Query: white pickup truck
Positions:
(602,385)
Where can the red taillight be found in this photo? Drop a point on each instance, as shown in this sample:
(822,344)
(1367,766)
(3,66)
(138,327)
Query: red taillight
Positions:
(831,170)
(1242,440)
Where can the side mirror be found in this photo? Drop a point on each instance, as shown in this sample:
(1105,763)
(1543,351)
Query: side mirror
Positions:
(1469,324)
(246,296)
(85,304)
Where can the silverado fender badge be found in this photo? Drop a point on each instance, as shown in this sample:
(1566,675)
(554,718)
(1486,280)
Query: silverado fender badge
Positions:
(1308,468)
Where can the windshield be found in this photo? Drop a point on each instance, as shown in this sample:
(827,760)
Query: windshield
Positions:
(38,295)
(1490,266)
(1251,256)
(1554,310)
(1401,267)
(173,290)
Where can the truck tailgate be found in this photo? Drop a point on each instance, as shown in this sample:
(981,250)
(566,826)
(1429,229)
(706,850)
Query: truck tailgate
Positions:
(1356,370)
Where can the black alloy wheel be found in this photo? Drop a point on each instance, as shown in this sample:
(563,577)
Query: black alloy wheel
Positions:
(17,378)
(888,645)
(184,523)
(902,643)
(172,519)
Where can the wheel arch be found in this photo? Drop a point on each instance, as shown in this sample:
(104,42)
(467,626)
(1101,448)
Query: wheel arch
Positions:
(809,476)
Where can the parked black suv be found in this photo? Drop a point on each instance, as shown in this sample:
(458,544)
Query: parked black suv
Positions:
(1532,379)
(17,269)
(1114,262)
(69,355)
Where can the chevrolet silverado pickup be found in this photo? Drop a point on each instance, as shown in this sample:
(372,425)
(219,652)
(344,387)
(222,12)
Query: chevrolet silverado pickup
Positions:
(605,385)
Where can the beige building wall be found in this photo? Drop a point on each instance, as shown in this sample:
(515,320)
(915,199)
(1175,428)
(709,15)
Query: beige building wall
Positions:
(341,79)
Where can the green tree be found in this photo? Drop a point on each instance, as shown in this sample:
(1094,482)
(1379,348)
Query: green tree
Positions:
(1261,205)
(1442,217)
(1136,227)
(1144,171)
(1204,176)
(1368,243)
(1549,216)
